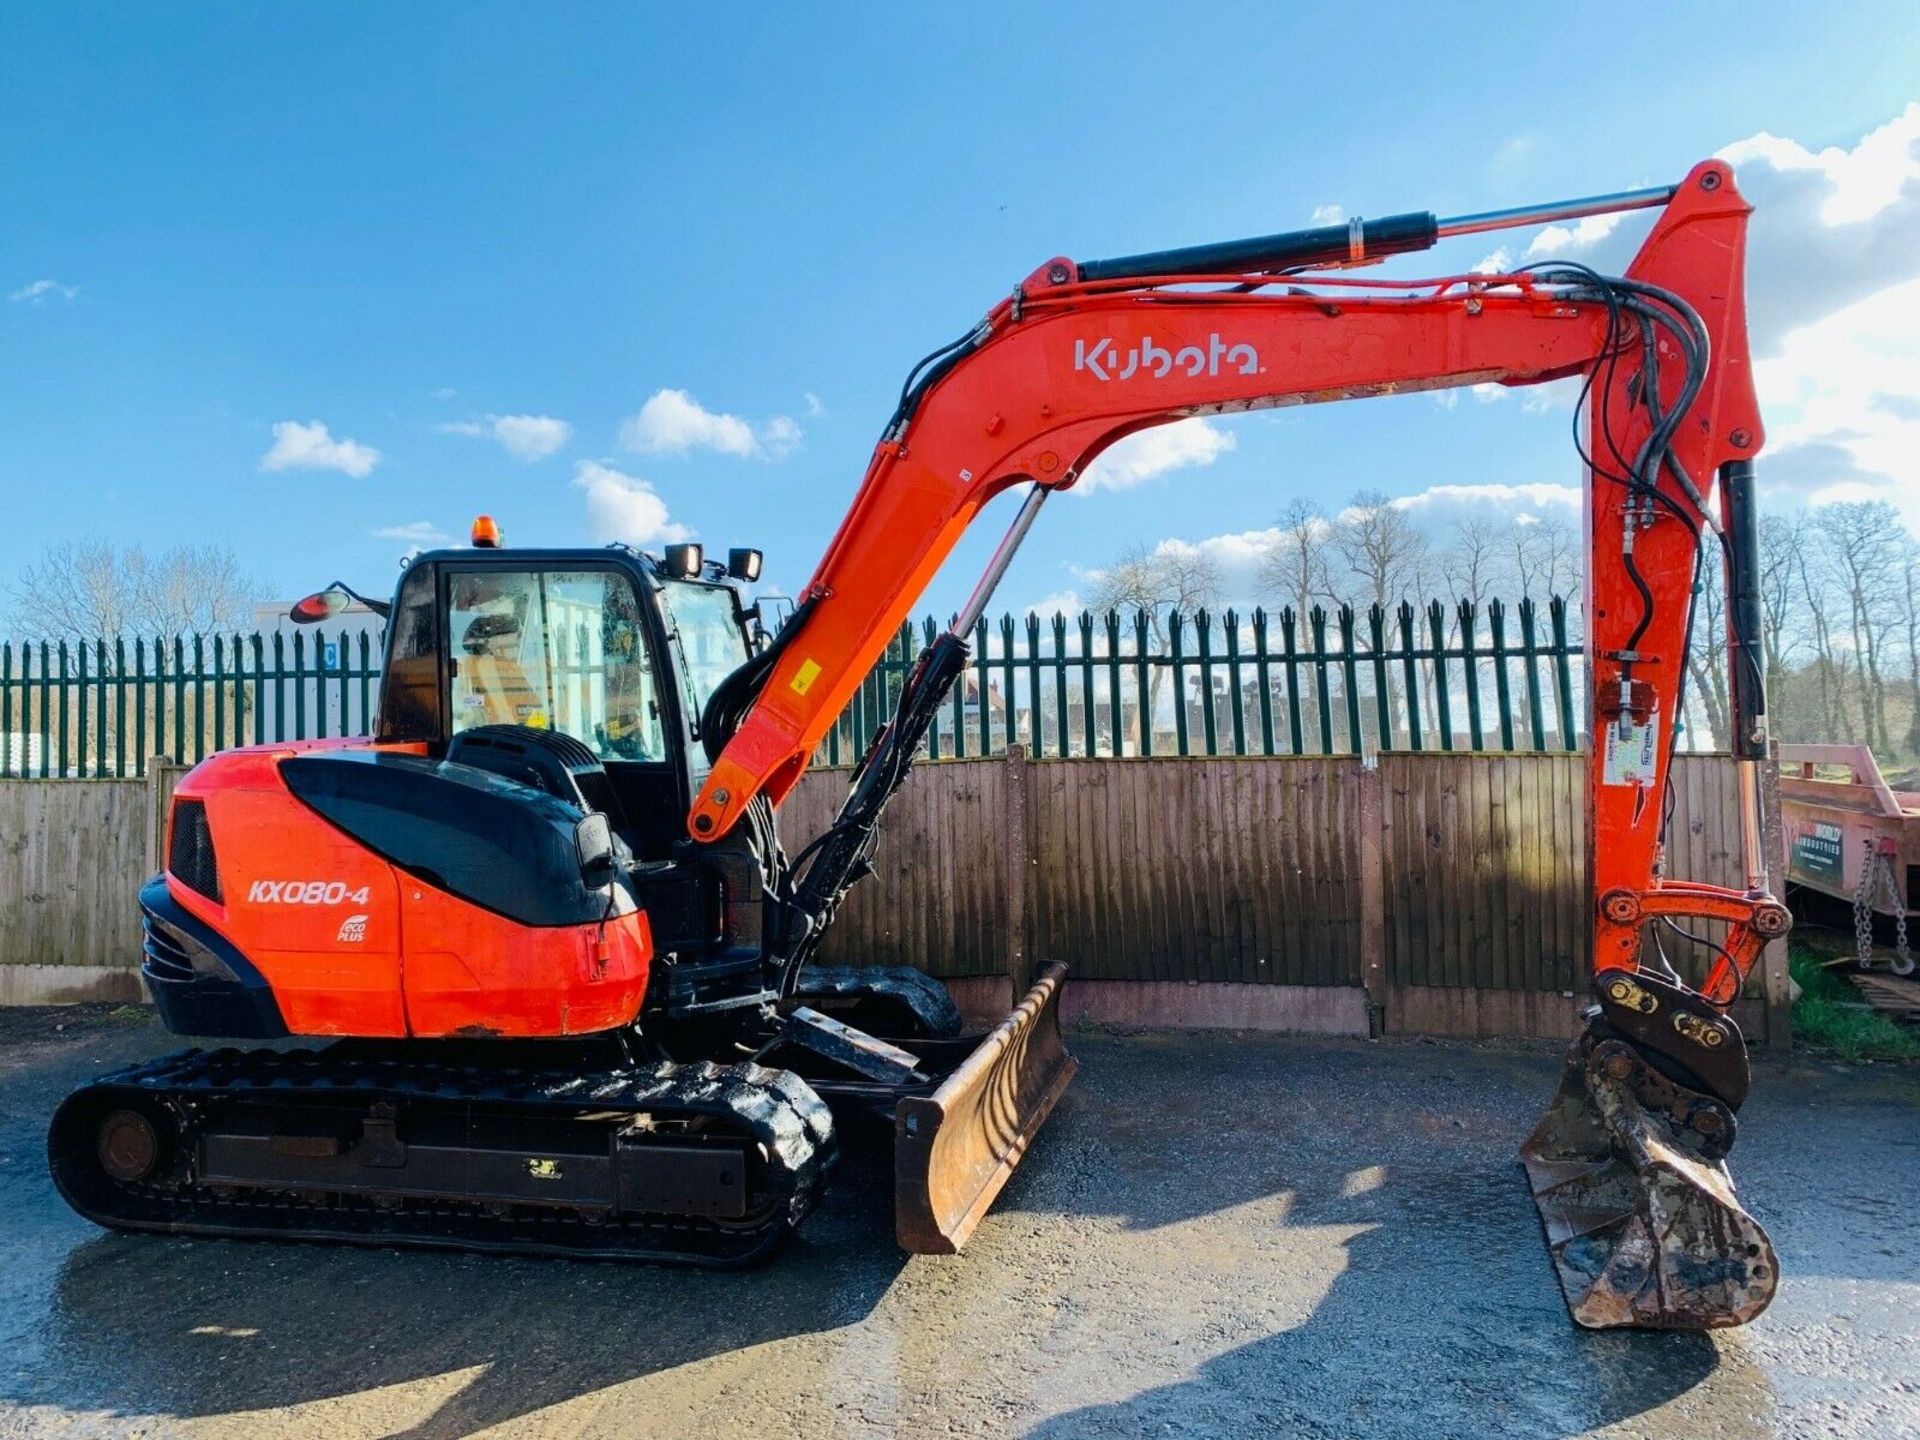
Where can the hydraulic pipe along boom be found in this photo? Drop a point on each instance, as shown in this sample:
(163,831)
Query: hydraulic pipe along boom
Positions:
(1357,241)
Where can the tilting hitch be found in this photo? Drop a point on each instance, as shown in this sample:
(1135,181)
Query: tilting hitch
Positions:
(1628,1166)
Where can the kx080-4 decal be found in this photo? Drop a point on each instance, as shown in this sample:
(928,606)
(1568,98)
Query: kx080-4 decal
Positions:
(304,892)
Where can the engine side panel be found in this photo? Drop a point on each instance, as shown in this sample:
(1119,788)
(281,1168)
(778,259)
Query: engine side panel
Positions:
(468,971)
(352,945)
(316,913)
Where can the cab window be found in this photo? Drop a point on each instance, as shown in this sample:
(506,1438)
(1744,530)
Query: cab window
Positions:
(712,643)
(559,650)
(410,696)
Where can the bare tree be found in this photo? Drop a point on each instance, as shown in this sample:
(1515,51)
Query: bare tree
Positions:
(1169,577)
(1385,554)
(1858,538)
(1545,556)
(1381,545)
(1828,666)
(1781,540)
(1910,584)
(1294,567)
(1472,565)
(94,589)
(1295,570)
(1707,654)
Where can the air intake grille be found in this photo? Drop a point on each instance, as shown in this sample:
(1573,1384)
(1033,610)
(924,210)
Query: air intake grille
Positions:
(166,957)
(190,855)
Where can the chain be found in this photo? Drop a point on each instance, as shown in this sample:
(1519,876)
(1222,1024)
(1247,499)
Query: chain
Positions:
(1863,909)
(1902,957)
(1878,867)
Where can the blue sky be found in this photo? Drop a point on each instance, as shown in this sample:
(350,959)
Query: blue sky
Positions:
(403,223)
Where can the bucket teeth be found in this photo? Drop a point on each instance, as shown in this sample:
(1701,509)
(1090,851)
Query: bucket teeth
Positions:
(1640,1216)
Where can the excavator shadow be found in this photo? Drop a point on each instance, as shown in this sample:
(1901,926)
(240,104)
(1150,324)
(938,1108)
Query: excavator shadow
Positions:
(1370,1360)
(1365,1201)
(419,1343)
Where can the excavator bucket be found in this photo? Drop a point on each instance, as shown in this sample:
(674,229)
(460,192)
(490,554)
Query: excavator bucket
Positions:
(955,1149)
(1627,1168)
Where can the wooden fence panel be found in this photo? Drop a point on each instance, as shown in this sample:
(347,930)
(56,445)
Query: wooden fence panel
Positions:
(1198,870)
(1481,871)
(1187,870)
(71,857)
(938,894)
(1703,843)
(1484,874)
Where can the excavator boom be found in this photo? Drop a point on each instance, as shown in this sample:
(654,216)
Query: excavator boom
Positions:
(1629,1175)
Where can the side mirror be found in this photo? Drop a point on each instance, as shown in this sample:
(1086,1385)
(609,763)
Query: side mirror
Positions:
(593,848)
(327,603)
(771,613)
(321,605)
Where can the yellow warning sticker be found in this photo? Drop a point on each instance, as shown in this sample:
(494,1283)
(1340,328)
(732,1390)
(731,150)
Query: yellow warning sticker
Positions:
(804,677)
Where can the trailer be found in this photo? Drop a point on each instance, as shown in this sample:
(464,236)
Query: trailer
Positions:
(1851,835)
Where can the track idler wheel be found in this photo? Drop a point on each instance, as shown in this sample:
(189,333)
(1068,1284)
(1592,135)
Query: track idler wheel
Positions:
(102,1149)
(127,1146)
(1627,1169)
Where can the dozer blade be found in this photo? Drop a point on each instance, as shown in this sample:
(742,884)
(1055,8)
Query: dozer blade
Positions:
(955,1148)
(1627,1168)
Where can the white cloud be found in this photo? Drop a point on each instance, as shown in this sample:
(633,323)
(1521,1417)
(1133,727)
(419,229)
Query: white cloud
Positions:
(1328,214)
(1859,183)
(422,534)
(1061,602)
(1535,496)
(1499,262)
(1514,152)
(1485,393)
(672,422)
(1236,560)
(1233,552)
(814,408)
(624,507)
(1582,235)
(445,392)
(1145,454)
(1833,286)
(525,437)
(1832,395)
(37,292)
(312,447)
(780,436)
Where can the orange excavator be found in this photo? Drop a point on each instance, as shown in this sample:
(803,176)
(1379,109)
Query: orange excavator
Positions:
(566,971)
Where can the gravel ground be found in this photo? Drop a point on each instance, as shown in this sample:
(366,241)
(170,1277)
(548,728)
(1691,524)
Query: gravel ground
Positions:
(1216,1235)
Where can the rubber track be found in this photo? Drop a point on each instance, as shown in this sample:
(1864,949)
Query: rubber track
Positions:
(925,997)
(774,1108)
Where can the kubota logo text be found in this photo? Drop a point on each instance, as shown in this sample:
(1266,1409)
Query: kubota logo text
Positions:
(1104,361)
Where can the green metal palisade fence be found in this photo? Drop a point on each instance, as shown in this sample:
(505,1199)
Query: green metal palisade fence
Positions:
(1459,677)
(1341,682)
(101,708)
